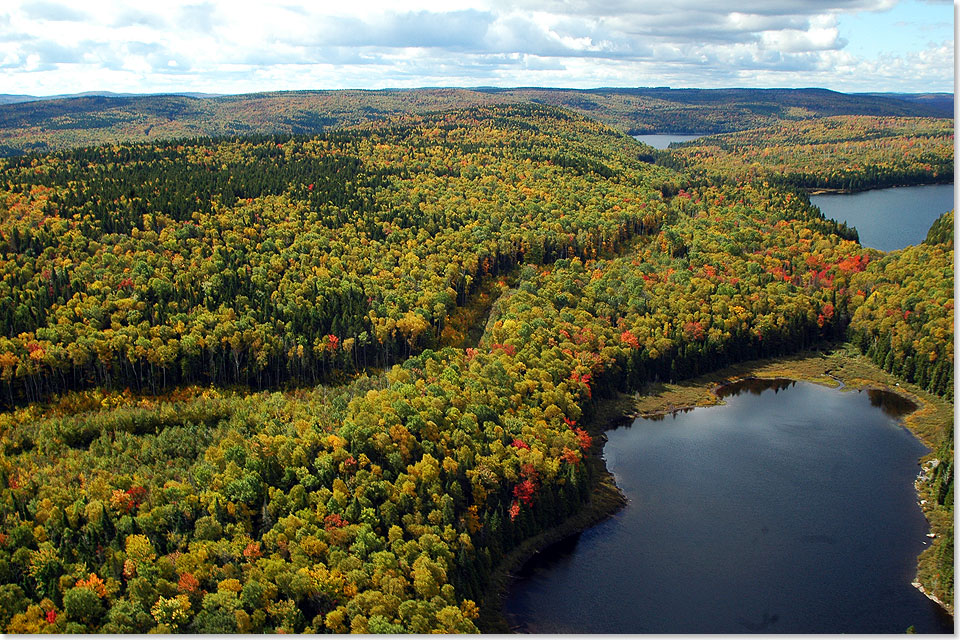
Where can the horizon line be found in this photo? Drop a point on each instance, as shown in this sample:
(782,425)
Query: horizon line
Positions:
(206,95)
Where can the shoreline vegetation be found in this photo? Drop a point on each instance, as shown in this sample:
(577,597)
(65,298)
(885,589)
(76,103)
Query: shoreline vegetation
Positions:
(826,191)
(606,499)
(842,152)
(509,261)
(840,367)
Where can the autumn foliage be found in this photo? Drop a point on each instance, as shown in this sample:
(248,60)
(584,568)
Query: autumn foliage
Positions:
(168,462)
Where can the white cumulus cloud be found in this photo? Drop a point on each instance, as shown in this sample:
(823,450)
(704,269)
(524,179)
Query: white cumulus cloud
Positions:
(48,47)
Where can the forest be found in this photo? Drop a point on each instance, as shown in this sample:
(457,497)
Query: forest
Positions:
(845,153)
(240,395)
(190,262)
(904,321)
(83,120)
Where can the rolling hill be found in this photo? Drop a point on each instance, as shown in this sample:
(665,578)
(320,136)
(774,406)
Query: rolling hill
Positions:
(85,120)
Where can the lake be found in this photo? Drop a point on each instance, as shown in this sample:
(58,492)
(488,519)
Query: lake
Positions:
(789,510)
(663,140)
(889,219)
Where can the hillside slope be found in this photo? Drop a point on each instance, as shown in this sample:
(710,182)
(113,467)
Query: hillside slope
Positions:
(168,464)
(90,120)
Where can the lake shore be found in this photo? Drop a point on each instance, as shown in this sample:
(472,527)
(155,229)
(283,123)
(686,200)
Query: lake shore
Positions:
(828,191)
(606,499)
(841,367)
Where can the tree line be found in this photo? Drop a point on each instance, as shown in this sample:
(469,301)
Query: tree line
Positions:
(382,505)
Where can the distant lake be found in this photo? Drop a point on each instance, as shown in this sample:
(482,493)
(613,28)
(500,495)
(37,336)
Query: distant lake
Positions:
(889,219)
(663,140)
(789,510)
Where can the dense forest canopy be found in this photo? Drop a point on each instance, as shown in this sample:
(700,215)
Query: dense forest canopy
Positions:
(850,153)
(904,310)
(257,260)
(90,119)
(169,461)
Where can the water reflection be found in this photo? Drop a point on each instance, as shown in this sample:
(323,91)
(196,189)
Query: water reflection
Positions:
(755,386)
(889,402)
(892,404)
(784,512)
(657,417)
(550,557)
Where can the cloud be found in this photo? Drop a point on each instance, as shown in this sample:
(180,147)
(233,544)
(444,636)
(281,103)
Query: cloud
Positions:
(598,8)
(198,17)
(135,17)
(137,45)
(54,12)
(311,55)
(50,52)
(456,30)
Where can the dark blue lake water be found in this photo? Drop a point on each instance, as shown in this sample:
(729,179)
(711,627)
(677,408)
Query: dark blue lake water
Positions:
(889,219)
(663,140)
(789,510)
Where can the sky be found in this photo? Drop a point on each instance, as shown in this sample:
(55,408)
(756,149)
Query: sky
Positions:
(50,47)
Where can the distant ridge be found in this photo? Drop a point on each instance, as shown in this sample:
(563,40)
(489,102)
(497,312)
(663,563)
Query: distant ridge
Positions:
(40,124)
(9,98)
(938,100)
